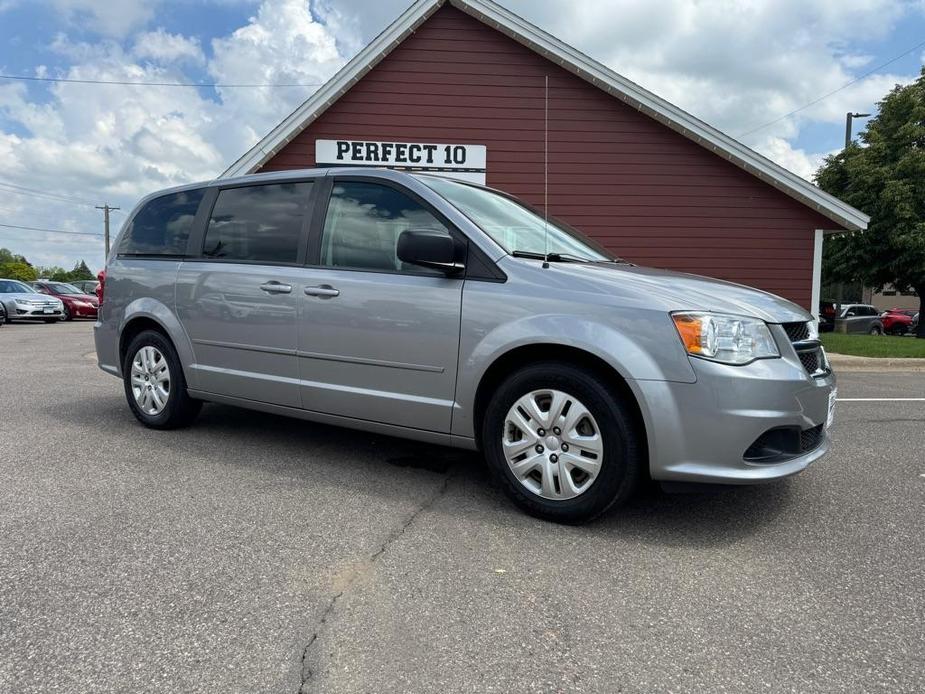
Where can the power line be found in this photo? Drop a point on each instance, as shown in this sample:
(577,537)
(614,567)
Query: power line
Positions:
(44,196)
(49,231)
(127,83)
(834,91)
(73,198)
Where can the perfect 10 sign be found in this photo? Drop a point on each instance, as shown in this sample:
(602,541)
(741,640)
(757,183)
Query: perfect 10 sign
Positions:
(466,162)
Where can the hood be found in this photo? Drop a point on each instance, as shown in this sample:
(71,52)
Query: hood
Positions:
(30,296)
(677,291)
(86,298)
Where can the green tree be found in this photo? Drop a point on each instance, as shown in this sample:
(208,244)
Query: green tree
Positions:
(80,272)
(885,179)
(17,270)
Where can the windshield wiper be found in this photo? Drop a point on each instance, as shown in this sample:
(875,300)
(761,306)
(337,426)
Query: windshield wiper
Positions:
(554,257)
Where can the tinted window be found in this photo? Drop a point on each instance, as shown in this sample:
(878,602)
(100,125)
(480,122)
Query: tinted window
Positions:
(363,223)
(162,226)
(258,223)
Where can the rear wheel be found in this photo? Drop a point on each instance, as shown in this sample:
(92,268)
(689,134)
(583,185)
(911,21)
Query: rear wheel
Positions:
(875,330)
(155,387)
(563,446)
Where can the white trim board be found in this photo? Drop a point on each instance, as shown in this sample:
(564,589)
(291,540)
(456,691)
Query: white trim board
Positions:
(570,59)
(817,274)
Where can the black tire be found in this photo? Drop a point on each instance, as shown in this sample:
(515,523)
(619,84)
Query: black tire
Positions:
(181,409)
(875,330)
(52,320)
(67,314)
(623,455)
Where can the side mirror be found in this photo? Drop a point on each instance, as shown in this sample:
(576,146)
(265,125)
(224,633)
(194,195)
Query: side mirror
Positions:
(430,248)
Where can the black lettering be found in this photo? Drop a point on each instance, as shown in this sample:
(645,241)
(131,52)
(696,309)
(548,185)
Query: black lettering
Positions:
(459,154)
(430,149)
(356,151)
(446,155)
(387,151)
(342,149)
(401,153)
(372,151)
(414,154)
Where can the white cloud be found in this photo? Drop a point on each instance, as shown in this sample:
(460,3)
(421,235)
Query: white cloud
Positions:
(167,48)
(282,44)
(118,143)
(109,17)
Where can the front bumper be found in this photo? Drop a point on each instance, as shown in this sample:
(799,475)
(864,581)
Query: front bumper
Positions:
(24,313)
(88,311)
(700,432)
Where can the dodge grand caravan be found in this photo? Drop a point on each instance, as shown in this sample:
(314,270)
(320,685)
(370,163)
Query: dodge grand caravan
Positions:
(437,310)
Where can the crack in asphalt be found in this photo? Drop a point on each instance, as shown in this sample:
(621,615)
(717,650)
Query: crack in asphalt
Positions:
(306,669)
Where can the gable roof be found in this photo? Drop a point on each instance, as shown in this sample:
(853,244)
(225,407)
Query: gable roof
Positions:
(570,59)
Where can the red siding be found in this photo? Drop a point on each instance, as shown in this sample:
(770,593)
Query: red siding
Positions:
(646,192)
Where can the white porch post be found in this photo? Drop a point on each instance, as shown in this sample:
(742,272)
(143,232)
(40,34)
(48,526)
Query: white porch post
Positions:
(817,274)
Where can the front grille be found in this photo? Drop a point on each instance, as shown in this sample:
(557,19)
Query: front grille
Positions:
(810,361)
(808,350)
(797,331)
(810,439)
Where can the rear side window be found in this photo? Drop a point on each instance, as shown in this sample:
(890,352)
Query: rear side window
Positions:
(260,223)
(162,226)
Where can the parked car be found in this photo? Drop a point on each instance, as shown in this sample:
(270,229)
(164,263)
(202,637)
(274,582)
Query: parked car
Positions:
(432,309)
(896,321)
(860,318)
(826,316)
(22,302)
(87,286)
(77,304)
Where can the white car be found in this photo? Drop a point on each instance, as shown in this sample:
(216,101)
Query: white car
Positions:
(22,302)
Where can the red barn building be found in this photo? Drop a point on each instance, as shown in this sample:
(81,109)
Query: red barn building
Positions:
(462,84)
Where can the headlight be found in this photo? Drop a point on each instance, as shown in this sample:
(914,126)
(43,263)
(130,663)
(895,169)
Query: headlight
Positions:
(726,339)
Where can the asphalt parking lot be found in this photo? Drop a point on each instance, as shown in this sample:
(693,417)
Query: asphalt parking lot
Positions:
(252,553)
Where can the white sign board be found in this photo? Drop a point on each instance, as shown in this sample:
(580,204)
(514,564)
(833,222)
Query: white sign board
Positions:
(466,162)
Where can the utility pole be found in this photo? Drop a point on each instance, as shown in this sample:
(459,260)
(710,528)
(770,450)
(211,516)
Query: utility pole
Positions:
(106,210)
(848,118)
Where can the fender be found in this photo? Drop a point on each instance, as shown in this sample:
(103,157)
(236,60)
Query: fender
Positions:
(156,311)
(635,356)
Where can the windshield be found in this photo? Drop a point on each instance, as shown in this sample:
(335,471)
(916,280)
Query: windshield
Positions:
(62,288)
(513,225)
(14,287)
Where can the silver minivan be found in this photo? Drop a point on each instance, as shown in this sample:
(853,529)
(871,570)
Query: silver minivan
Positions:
(438,310)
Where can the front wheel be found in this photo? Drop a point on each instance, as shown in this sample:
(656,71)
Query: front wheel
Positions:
(155,387)
(67,314)
(563,445)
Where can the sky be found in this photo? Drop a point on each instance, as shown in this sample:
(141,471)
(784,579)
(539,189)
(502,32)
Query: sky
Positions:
(741,65)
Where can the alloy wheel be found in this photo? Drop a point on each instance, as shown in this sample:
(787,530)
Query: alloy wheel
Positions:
(552,444)
(150,380)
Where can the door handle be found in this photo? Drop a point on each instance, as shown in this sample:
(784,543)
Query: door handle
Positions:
(275,287)
(324,291)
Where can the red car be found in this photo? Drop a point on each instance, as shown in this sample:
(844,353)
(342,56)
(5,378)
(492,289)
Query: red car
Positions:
(897,321)
(76,303)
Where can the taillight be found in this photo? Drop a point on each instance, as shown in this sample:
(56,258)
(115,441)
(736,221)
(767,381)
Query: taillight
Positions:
(101,278)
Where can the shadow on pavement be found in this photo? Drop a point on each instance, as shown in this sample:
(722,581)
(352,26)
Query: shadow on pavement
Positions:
(297,448)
